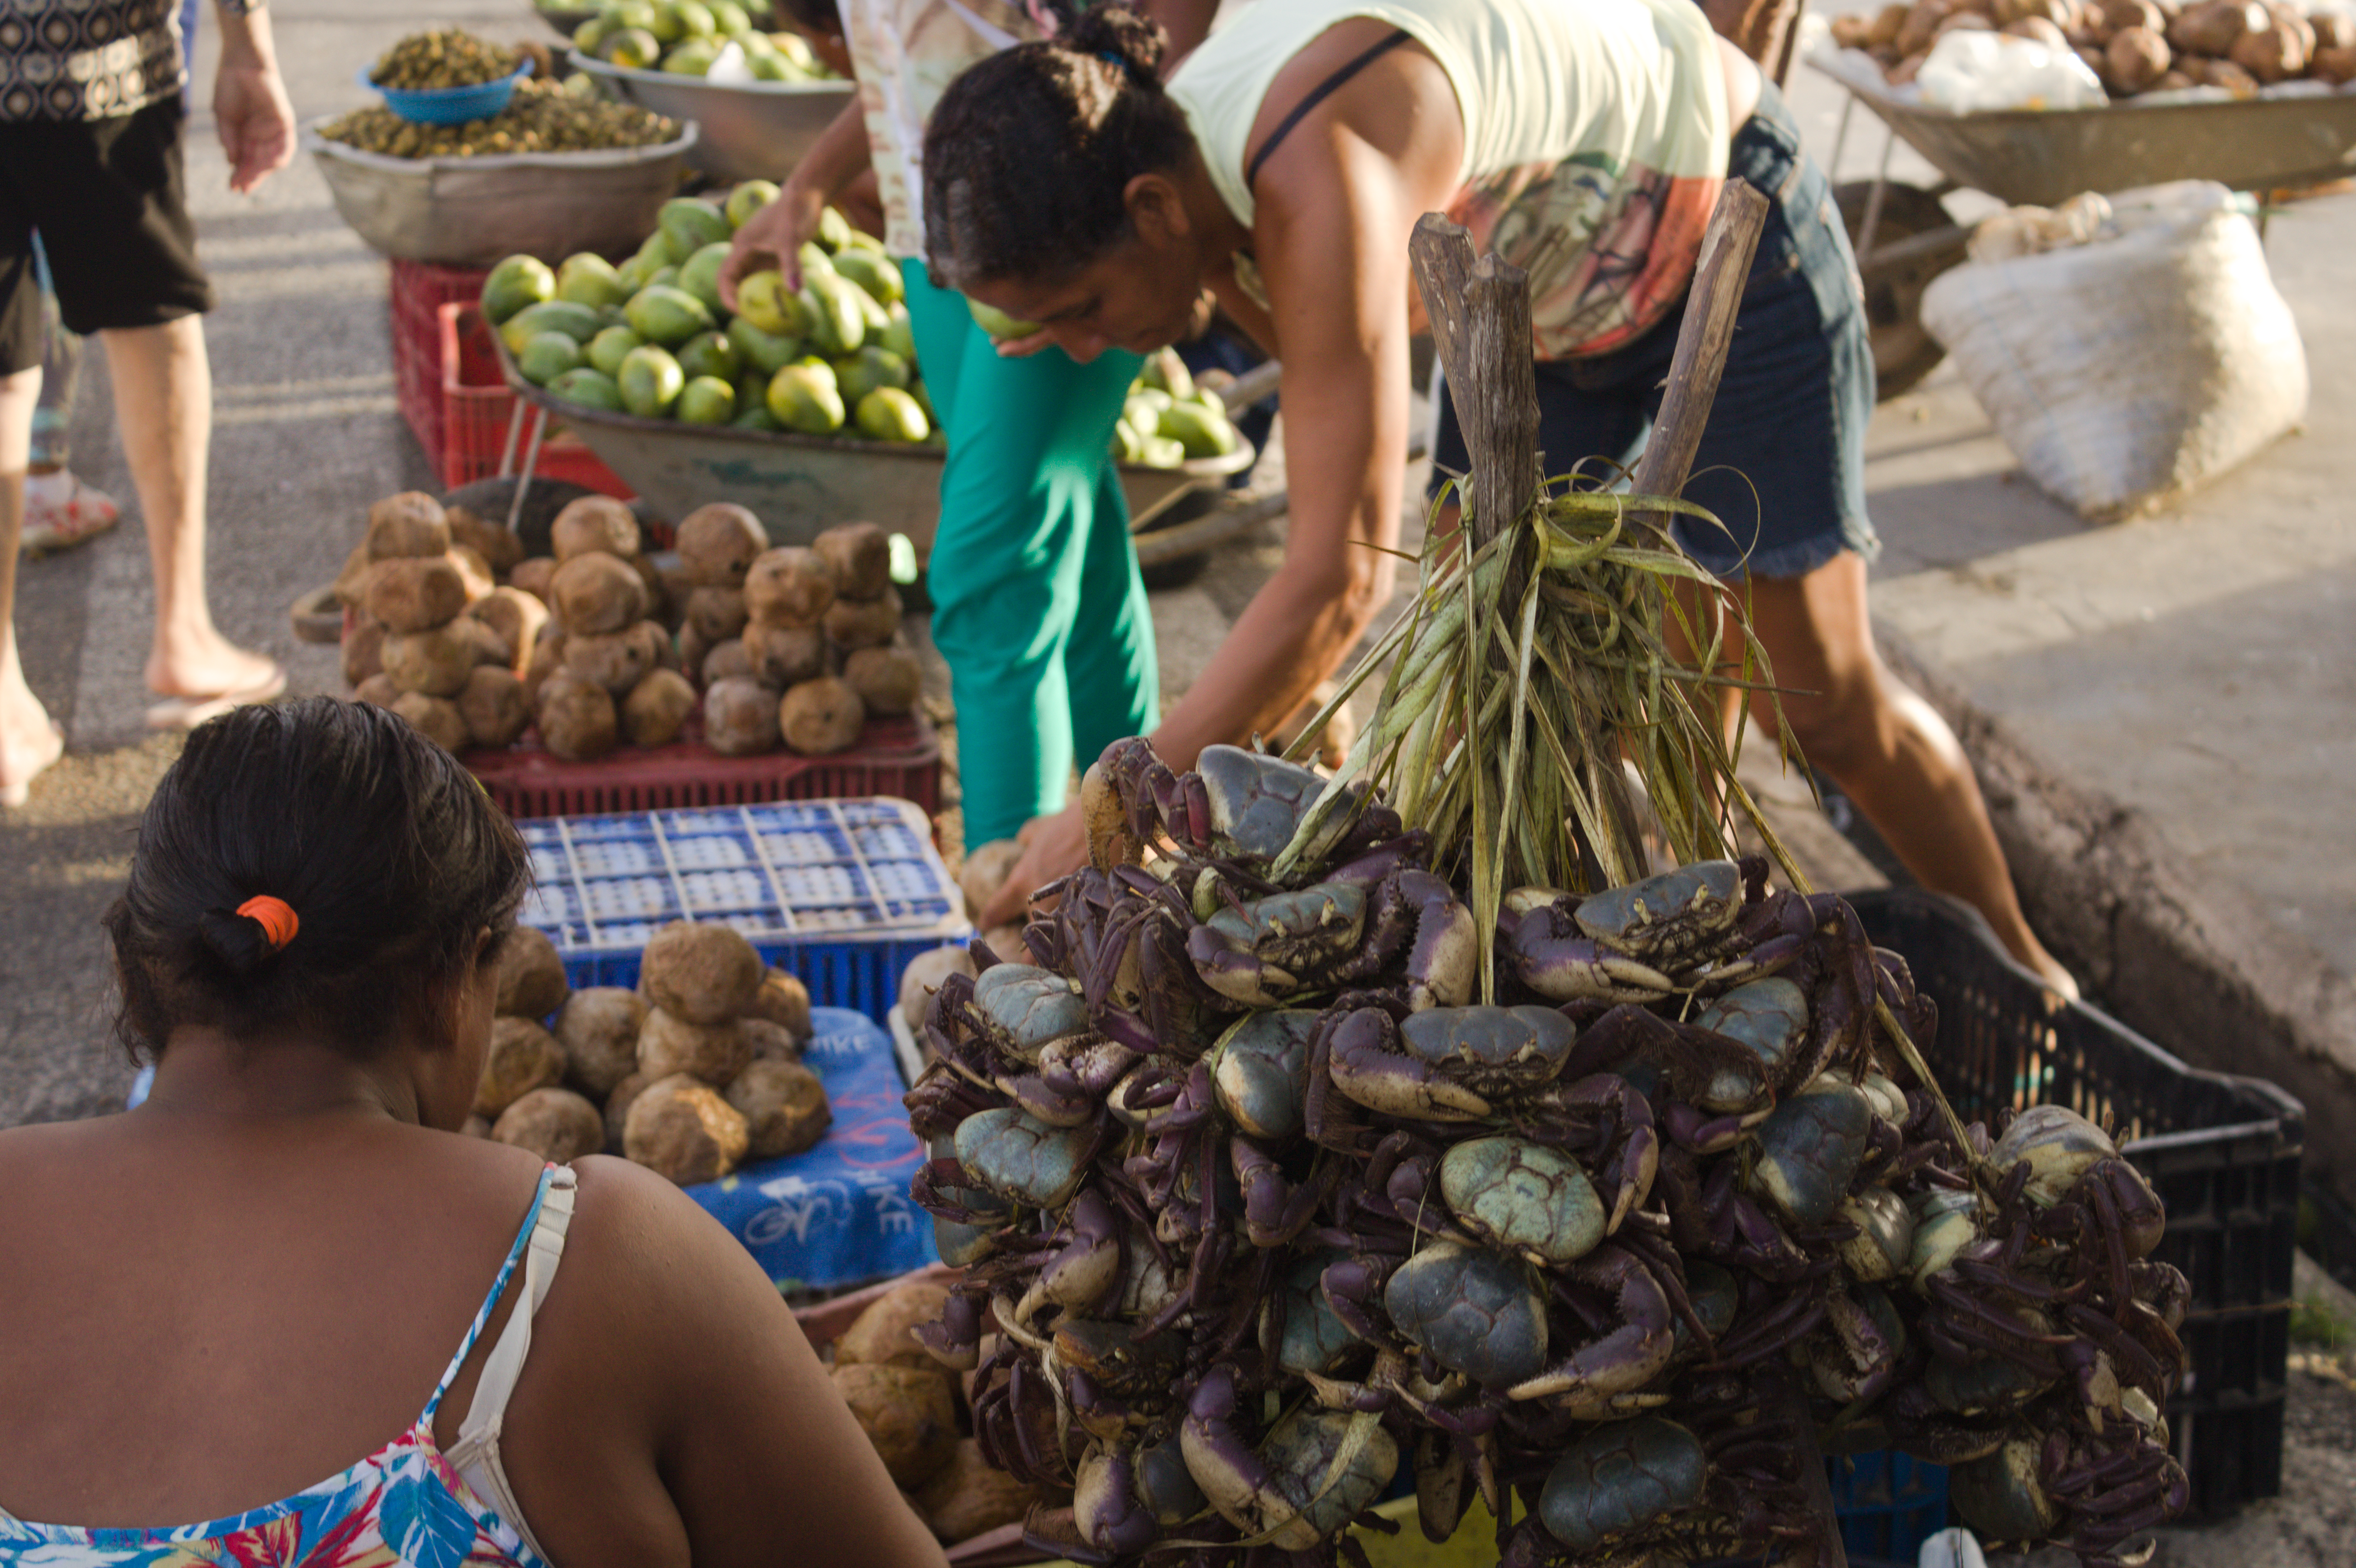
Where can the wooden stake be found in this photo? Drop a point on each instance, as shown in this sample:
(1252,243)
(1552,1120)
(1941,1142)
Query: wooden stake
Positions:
(1708,331)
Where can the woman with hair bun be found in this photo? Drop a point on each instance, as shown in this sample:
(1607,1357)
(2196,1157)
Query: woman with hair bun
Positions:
(1284,166)
(229,1326)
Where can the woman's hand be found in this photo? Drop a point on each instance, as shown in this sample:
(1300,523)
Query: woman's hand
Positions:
(1053,846)
(773,237)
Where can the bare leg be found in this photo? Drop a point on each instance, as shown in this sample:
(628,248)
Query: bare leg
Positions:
(163,400)
(28,741)
(1890,751)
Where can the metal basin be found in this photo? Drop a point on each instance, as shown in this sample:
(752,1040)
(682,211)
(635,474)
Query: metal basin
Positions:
(757,129)
(471,212)
(799,486)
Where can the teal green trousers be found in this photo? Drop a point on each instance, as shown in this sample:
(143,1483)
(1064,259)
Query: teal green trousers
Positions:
(1038,606)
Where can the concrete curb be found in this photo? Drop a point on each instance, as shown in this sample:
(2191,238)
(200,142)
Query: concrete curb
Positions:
(2197,967)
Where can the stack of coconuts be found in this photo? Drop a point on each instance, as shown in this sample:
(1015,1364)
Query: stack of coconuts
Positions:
(697,1071)
(433,636)
(817,648)
(609,673)
(601,643)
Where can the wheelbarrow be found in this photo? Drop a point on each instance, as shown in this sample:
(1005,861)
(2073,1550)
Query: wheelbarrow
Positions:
(1904,235)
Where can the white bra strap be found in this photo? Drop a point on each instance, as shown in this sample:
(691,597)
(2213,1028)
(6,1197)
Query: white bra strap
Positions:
(504,1363)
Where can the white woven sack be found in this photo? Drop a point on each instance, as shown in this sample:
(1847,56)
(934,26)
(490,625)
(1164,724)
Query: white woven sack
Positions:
(2131,368)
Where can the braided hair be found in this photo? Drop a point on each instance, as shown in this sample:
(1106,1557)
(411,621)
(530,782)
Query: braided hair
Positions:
(1029,154)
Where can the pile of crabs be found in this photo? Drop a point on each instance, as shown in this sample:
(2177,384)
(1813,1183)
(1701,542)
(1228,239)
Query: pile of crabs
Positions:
(1258,1212)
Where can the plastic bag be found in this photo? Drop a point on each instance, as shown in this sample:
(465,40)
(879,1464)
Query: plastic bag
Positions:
(2126,370)
(1973,72)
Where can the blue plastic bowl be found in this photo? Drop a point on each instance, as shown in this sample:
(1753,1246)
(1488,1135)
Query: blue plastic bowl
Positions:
(449,105)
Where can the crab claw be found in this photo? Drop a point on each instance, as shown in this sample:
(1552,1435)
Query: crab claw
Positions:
(1553,957)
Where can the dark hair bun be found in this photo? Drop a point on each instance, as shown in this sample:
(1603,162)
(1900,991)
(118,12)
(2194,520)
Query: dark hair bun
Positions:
(240,942)
(1118,30)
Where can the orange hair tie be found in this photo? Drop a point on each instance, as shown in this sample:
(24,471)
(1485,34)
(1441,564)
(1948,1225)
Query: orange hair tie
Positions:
(275,916)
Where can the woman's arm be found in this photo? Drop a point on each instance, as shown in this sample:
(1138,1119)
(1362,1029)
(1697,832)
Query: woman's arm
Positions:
(772,236)
(1334,210)
(250,106)
(681,1417)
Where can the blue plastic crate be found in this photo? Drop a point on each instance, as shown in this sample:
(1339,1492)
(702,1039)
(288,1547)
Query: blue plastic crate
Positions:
(1889,1504)
(838,1214)
(841,893)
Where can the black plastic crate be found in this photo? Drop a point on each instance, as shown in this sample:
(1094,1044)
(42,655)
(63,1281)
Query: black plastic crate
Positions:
(2221,1151)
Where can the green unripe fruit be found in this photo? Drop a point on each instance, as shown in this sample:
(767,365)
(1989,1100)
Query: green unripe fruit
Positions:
(650,380)
(706,399)
(609,347)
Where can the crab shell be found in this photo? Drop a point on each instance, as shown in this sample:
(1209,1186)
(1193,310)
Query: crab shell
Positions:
(1620,1479)
(1770,1015)
(1474,1310)
(1257,801)
(1018,1156)
(1667,917)
(1523,1196)
(1031,1008)
(1260,1072)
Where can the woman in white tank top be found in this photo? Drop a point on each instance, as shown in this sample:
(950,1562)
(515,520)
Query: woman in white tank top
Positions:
(1284,168)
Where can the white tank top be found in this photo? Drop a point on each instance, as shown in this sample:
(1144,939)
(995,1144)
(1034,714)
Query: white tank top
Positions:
(1595,139)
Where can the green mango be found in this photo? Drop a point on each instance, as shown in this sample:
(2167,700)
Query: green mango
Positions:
(666,275)
(594,388)
(861,373)
(1201,431)
(577,322)
(706,399)
(589,279)
(815,262)
(1127,447)
(1144,410)
(696,18)
(837,326)
(997,323)
(773,67)
(650,381)
(758,417)
(764,299)
(668,316)
(692,58)
(747,199)
(861,240)
(752,391)
(765,352)
(700,275)
(669,24)
(590,33)
(1208,398)
(797,51)
(639,13)
(610,347)
(899,334)
(515,284)
(687,225)
(805,400)
(888,413)
(728,18)
(833,229)
(709,354)
(872,316)
(1165,372)
(872,273)
(1160,452)
(632,49)
(546,356)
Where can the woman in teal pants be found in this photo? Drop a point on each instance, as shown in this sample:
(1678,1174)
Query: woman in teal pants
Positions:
(1038,606)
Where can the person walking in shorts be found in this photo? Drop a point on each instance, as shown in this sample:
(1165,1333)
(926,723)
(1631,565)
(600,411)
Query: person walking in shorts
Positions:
(90,119)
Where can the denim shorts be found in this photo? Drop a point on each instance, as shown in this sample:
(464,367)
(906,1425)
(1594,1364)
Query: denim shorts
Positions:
(1781,464)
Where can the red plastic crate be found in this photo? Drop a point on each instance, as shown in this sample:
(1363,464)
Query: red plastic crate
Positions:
(898,757)
(418,292)
(476,406)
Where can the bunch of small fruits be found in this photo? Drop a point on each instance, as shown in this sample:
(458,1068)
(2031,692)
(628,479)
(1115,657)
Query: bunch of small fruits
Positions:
(688,38)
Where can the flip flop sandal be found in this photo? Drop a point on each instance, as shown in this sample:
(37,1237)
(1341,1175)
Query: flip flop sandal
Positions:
(187,713)
(49,526)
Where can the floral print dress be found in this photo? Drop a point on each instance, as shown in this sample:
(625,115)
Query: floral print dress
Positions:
(404,1506)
